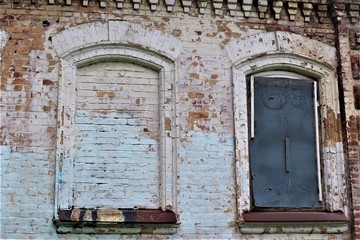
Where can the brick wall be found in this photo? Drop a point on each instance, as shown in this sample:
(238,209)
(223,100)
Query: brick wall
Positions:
(38,35)
(349,68)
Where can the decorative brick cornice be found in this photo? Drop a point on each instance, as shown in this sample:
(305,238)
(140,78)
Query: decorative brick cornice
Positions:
(354,11)
(337,11)
(262,9)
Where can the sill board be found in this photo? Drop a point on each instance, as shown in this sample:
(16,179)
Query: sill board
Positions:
(293,222)
(116,221)
(88,216)
(295,217)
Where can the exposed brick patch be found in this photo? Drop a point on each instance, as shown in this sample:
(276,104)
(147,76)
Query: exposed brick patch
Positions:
(354,37)
(357,97)
(47,82)
(355,65)
(196,95)
(353,129)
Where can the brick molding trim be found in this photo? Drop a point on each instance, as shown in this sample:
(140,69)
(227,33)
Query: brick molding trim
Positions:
(296,10)
(273,52)
(66,112)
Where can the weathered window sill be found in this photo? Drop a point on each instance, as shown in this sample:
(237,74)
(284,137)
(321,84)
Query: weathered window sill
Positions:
(293,222)
(119,221)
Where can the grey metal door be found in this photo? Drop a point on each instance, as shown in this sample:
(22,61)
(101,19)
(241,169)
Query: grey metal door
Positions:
(283,148)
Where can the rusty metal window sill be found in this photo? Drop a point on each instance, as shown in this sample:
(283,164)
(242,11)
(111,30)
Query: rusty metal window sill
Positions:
(116,221)
(293,222)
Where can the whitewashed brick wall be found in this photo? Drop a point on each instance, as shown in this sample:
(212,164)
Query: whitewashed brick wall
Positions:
(205,188)
(117,136)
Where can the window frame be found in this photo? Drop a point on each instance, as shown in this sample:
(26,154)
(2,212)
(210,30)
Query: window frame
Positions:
(64,212)
(332,160)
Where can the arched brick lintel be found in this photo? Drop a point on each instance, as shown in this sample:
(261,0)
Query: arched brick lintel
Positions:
(280,42)
(115,32)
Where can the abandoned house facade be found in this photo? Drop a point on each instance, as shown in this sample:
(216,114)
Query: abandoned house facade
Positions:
(180,119)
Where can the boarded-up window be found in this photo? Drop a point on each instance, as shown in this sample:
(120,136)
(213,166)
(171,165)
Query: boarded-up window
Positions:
(283,145)
(284,164)
(116,136)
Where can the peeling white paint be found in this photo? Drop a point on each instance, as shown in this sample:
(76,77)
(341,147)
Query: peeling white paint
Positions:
(248,65)
(284,42)
(118,32)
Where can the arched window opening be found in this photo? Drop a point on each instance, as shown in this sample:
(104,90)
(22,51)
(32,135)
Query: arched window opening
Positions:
(288,168)
(116,138)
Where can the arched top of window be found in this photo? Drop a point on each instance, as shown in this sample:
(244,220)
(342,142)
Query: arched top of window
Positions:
(283,62)
(100,34)
(117,53)
(281,74)
(263,44)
